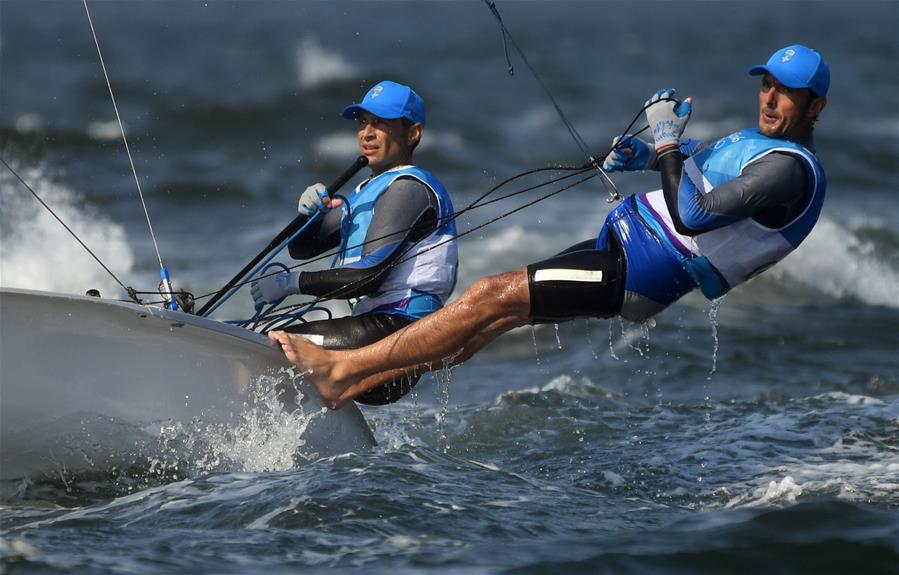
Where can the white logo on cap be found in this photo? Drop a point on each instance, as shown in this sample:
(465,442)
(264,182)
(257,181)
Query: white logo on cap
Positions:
(788,55)
(377,91)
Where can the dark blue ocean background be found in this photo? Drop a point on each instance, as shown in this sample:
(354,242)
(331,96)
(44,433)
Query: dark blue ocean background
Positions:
(760,435)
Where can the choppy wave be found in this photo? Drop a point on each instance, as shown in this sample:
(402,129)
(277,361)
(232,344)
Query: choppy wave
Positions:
(337,146)
(107,457)
(565,464)
(38,253)
(105,130)
(841,263)
(265,437)
(317,67)
(562,449)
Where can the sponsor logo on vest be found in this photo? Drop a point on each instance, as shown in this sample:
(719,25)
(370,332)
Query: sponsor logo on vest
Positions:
(733,139)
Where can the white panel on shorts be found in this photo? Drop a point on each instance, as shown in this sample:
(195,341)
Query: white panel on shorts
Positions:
(567,275)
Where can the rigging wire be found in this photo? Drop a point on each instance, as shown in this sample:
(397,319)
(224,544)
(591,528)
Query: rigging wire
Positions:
(478,203)
(400,259)
(622,139)
(164,274)
(506,36)
(592,164)
(614,194)
(129,290)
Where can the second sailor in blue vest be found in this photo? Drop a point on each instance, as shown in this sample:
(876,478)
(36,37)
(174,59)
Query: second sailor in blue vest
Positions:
(397,255)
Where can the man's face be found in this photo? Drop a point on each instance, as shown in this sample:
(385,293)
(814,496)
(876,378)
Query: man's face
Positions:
(786,112)
(386,143)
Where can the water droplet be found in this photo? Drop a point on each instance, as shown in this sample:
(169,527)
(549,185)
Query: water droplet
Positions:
(713,320)
(534,336)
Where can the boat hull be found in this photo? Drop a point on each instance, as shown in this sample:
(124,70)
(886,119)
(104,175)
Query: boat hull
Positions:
(69,363)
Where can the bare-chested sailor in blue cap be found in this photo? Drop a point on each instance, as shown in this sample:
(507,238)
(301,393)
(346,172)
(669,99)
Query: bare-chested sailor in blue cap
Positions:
(728,210)
(397,260)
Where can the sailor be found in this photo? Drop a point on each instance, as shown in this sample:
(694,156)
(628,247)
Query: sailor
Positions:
(727,210)
(395,232)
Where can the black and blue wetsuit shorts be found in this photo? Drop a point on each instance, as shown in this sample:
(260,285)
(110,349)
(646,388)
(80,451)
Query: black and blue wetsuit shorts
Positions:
(581,281)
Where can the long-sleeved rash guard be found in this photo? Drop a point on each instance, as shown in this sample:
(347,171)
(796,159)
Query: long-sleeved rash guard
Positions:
(772,190)
(403,214)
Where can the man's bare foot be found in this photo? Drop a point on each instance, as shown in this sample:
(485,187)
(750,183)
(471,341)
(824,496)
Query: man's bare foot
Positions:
(316,363)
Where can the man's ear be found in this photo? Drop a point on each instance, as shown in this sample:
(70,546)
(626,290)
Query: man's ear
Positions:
(816,106)
(414,134)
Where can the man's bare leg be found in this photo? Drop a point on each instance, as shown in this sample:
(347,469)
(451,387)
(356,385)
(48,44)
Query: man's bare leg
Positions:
(492,306)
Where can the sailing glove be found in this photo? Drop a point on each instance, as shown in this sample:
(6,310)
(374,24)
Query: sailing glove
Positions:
(667,118)
(313,200)
(273,289)
(631,154)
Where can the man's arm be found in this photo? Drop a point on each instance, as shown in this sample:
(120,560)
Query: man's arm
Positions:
(770,189)
(405,213)
(321,236)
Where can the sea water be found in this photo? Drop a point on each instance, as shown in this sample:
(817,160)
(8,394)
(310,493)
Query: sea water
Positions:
(759,434)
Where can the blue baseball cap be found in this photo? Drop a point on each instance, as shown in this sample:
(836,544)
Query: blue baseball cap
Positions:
(797,67)
(389,100)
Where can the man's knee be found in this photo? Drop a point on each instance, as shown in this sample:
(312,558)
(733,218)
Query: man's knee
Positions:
(506,292)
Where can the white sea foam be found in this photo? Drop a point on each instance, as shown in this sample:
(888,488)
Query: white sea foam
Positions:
(338,145)
(851,399)
(499,243)
(105,130)
(36,252)
(29,123)
(846,465)
(563,385)
(613,478)
(497,250)
(12,550)
(845,479)
(265,438)
(784,491)
(834,260)
(316,66)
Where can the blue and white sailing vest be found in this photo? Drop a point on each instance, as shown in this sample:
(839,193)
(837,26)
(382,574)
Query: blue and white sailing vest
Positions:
(723,258)
(424,280)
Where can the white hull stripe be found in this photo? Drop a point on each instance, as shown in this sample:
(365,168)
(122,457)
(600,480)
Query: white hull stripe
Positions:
(593,276)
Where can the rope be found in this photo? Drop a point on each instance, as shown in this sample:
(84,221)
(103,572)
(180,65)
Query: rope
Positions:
(163,271)
(400,259)
(614,194)
(477,203)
